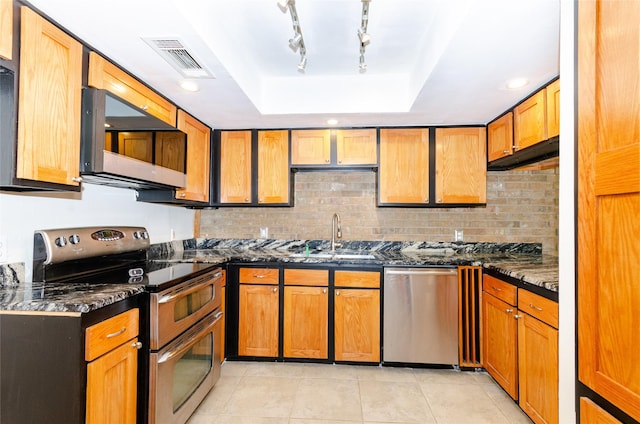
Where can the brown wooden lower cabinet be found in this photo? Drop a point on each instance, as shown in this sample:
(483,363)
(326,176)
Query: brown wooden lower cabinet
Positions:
(590,412)
(357,325)
(258,320)
(306,322)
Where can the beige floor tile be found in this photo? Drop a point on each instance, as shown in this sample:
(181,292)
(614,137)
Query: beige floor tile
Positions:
(218,396)
(392,374)
(394,402)
(229,419)
(233,368)
(275,369)
(508,406)
(309,421)
(459,403)
(328,398)
(449,376)
(343,372)
(259,396)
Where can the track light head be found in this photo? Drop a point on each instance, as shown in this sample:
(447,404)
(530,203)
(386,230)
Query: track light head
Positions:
(363,65)
(303,64)
(294,43)
(284,5)
(365,38)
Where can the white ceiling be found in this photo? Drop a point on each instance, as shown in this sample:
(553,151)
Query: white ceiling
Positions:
(430,62)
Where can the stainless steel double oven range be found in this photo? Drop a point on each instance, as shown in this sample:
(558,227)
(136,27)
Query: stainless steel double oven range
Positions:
(181,317)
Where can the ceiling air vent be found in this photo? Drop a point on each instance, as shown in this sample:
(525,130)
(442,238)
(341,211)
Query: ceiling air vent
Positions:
(174,51)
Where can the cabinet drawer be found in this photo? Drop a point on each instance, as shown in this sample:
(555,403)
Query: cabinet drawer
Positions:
(500,289)
(368,279)
(259,275)
(110,333)
(538,307)
(306,277)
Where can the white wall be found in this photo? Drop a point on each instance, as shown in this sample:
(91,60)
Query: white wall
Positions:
(566,222)
(23,213)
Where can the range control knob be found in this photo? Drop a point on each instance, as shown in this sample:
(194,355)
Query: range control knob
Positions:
(74,239)
(136,235)
(61,241)
(144,235)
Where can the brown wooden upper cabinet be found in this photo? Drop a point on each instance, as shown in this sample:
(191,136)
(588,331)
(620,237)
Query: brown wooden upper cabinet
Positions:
(48,121)
(273,167)
(403,172)
(461,165)
(198,160)
(529,126)
(235,167)
(553,109)
(310,147)
(6,29)
(500,133)
(105,75)
(356,147)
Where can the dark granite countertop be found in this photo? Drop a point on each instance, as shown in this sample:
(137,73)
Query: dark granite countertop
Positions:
(63,298)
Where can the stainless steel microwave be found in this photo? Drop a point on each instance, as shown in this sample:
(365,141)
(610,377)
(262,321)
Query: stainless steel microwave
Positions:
(124,146)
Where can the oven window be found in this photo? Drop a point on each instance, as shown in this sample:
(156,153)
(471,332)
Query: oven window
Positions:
(192,302)
(191,370)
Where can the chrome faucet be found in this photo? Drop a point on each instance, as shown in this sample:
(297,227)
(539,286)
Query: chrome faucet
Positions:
(336,218)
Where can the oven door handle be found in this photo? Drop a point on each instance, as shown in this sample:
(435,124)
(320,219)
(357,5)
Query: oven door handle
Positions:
(172,294)
(186,344)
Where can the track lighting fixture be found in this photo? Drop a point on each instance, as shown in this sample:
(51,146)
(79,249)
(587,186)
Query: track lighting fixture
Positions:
(296,42)
(363,35)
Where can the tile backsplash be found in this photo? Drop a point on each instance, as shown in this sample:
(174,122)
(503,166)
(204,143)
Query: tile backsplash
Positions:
(522,206)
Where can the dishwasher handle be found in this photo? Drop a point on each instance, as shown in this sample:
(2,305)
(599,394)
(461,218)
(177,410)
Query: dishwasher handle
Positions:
(426,271)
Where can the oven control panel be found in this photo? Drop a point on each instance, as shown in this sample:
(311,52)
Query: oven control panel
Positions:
(65,244)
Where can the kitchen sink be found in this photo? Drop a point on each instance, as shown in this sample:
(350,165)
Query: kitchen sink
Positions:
(325,255)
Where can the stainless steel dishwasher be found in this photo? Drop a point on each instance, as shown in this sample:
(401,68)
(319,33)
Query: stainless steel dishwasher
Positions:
(420,315)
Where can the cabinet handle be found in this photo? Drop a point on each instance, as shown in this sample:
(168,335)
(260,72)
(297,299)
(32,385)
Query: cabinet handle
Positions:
(275,289)
(117,333)
(136,345)
(259,276)
(144,107)
(76,179)
(531,305)
(183,195)
(496,288)
(516,316)
(505,151)
(515,147)
(508,310)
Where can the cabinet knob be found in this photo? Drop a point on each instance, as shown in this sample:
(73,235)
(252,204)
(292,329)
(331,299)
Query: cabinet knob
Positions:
(339,161)
(515,147)
(183,195)
(327,161)
(136,345)
(324,291)
(76,179)
(144,107)
(508,310)
(516,316)
(337,293)
(426,200)
(439,200)
(246,199)
(275,289)
(505,151)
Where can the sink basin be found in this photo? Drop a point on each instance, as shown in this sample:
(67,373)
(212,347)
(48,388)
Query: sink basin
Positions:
(333,255)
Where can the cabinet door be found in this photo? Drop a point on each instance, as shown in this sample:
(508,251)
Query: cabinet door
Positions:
(403,173)
(310,147)
(258,320)
(500,343)
(6,28)
(590,412)
(223,326)
(357,325)
(235,167)
(198,158)
(529,125)
(538,369)
(356,147)
(306,322)
(500,133)
(111,386)
(50,102)
(273,167)
(461,165)
(608,289)
(105,75)
(553,109)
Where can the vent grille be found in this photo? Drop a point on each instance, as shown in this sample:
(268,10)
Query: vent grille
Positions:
(177,55)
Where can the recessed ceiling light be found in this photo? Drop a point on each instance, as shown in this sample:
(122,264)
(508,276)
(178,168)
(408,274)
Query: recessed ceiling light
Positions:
(332,121)
(517,83)
(189,85)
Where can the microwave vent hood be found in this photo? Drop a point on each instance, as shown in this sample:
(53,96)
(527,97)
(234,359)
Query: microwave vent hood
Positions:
(121,145)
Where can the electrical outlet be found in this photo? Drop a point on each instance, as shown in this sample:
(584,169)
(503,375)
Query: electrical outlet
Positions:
(458,235)
(264,232)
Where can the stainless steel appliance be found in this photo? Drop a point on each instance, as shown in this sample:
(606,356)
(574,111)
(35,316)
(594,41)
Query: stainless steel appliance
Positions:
(124,146)
(181,328)
(420,316)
